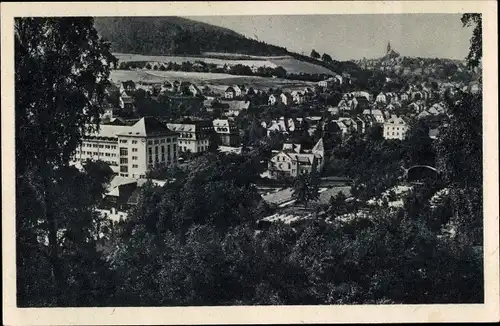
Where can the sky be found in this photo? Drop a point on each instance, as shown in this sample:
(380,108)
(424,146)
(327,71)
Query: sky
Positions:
(347,37)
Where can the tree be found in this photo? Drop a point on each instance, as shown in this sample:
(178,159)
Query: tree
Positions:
(280,72)
(326,58)
(476,48)
(419,149)
(315,55)
(148,66)
(306,188)
(61,73)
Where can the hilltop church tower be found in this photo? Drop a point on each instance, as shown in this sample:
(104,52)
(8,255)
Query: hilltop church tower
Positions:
(388,47)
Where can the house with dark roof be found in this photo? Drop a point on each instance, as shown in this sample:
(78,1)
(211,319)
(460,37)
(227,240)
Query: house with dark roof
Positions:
(121,195)
(127,86)
(293,160)
(229,93)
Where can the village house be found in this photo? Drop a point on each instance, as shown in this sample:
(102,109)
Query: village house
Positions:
(334,110)
(433,133)
(234,108)
(292,160)
(194,136)
(327,83)
(392,98)
(381,98)
(286,99)
(404,96)
(346,105)
(195,90)
(378,115)
(415,107)
(358,94)
(166,87)
(390,108)
(308,92)
(272,100)
(148,87)
(227,131)
(282,125)
(126,103)
(130,149)
(346,125)
(176,86)
(395,128)
(121,195)
(361,125)
(298,97)
(229,93)
(127,86)
(238,92)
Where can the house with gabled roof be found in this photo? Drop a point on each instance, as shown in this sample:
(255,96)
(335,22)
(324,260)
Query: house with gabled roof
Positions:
(395,128)
(298,97)
(127,86)
(230,93)
(378,115)
(293,160)
(381,98)
(286,98)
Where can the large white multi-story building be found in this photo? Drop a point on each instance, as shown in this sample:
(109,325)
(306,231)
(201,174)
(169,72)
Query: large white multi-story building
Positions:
(194,136)
(395,128)
(131,149)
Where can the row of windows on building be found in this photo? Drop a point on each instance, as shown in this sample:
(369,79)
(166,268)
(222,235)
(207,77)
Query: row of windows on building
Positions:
(124,160)
(187,142)
(150,142)
(98,146)
(142,176)
(94,153)
(200,148)
(278,158)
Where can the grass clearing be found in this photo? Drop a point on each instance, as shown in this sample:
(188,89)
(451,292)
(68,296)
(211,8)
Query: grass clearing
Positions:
(290,64)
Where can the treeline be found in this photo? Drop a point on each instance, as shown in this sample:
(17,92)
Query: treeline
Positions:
(175,35)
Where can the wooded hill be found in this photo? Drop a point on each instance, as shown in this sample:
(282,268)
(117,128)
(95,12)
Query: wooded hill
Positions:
(175,35)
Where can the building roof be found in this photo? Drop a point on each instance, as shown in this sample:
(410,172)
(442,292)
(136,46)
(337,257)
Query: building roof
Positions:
(221,123)
(319,147)
(396,120)
(182,127)
(147,127)
(128,84)
(236,105)
(433,133)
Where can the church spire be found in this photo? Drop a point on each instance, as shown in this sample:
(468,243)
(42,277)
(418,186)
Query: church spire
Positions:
(389,47)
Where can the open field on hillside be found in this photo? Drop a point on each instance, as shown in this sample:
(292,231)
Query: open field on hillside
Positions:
(241,56)
(290,64)
(218,82)
(123,57)
(295,66)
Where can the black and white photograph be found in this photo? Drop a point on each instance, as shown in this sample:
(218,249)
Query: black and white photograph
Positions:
(210,160)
